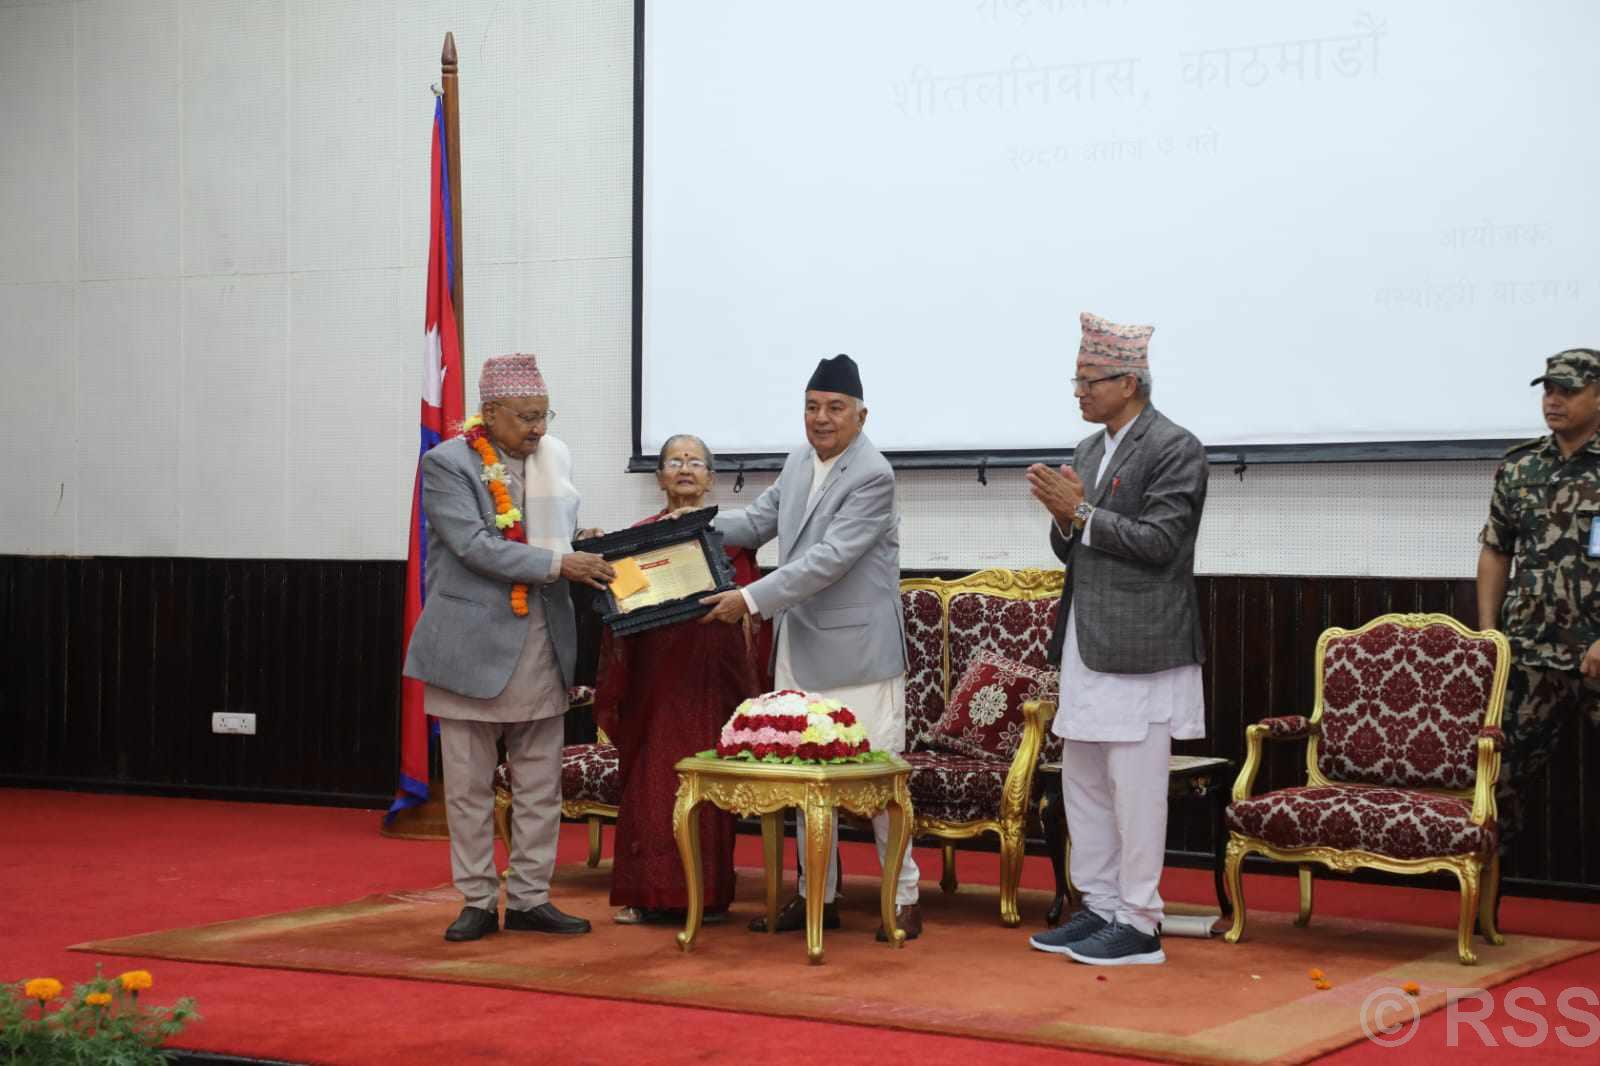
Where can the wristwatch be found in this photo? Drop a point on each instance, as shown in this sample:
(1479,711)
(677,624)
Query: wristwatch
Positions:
(1080,514)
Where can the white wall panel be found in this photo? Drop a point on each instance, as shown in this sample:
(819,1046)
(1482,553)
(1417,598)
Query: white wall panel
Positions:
(494,140)
(128,144)
(1413,520)
(38,199)
(579,115)
(351,417)
(577,320)
(38,422)
(345,143)
(235,137)
(495,323)
(1356,519)
(130,416)
(233,471)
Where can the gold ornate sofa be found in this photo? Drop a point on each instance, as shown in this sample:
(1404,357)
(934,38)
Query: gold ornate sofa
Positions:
(1402,753)
(955,797)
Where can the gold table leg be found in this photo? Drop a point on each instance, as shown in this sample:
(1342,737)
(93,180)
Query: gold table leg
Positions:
(686,830)
(893,859)
(772,862)
(819,849)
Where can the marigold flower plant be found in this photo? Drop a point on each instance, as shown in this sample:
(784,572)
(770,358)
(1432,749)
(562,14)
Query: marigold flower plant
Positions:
(42,989)
(101,1022)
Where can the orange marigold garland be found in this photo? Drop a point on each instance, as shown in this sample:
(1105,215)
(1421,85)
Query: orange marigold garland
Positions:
(506,516)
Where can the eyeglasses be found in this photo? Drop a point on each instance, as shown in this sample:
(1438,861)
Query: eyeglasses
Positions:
(697,465)
(537,418)
(1085,384)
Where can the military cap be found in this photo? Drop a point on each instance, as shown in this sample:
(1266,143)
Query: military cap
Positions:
(1571,369)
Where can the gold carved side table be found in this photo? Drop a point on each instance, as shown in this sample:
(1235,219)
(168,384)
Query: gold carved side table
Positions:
(745,787)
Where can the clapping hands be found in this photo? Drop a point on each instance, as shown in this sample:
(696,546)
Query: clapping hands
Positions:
(1060,490)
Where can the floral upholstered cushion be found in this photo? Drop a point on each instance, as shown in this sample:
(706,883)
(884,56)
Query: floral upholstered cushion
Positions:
(589,773)
(1403,706)
(1398,823)
(984,718)
(955,788)
(924,620)
(1020,630)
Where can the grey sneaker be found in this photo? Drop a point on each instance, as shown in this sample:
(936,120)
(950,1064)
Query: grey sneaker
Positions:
(1080,926)
(1119,945)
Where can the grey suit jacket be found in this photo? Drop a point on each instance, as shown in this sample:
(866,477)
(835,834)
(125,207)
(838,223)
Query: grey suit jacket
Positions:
(836,591)
(467,639)
(1131,589)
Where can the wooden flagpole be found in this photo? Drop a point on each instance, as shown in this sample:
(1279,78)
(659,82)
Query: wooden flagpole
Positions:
(452,132)
(427,821)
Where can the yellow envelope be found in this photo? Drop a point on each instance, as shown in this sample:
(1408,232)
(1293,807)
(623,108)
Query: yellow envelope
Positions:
(629,579)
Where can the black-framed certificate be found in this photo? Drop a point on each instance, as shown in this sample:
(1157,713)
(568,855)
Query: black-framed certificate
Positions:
(663,569)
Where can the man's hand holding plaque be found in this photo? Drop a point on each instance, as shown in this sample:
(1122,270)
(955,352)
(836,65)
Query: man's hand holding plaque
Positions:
(726,607)
(584,568)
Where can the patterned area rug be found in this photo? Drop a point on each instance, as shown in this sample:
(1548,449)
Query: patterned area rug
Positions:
(967,975)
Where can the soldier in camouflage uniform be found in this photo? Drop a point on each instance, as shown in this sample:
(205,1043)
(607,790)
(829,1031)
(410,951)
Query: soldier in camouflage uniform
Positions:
(1539,573)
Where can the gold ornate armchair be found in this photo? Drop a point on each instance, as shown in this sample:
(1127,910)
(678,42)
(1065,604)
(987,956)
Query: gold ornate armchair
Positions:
(1402,753)
(957,797)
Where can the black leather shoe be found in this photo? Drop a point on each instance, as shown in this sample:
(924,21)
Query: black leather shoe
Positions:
(544,918)
(473,923)
(792,917)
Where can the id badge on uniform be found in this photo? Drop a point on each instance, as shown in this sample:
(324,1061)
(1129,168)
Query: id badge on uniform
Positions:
(1593,550)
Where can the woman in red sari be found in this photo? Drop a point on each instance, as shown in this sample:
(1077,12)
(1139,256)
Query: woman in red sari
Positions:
(663,695)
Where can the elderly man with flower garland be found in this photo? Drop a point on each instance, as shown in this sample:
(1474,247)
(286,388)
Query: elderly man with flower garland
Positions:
(496,643)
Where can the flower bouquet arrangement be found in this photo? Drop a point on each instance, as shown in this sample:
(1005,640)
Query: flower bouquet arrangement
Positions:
(100,1024)
(790,726)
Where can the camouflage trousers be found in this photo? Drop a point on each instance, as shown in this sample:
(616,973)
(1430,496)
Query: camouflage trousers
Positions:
(1538,704)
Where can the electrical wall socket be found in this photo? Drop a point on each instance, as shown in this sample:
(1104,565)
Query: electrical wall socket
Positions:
(233,722)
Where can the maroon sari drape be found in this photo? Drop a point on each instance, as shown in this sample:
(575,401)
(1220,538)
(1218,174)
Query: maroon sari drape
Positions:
(663,695)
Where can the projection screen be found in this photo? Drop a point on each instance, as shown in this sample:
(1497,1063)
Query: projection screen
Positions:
(1347,223)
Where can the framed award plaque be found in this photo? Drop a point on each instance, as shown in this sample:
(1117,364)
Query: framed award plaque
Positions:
(663,570)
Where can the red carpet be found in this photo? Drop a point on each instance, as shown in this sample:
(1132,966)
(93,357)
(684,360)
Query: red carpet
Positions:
(83,867)
(1211,1003)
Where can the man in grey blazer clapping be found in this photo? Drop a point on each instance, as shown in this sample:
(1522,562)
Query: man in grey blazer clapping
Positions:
(1125,514)
(835,596)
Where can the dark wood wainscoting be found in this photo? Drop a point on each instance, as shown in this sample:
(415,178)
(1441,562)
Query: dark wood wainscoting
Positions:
(111,668)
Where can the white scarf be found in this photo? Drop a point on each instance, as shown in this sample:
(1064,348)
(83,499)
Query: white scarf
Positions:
(549,499)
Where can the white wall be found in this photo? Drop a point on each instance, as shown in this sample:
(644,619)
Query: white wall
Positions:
(215,227)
